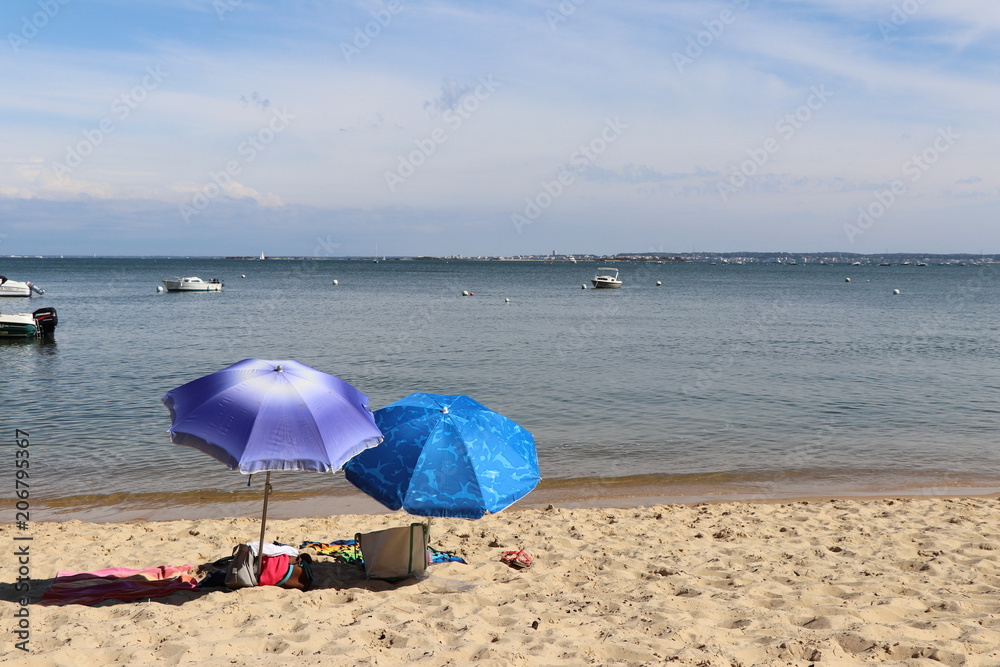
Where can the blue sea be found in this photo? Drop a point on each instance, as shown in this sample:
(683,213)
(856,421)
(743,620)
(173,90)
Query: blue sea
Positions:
(727,381)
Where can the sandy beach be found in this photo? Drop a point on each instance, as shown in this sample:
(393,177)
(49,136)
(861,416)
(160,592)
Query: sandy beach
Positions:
(825,582)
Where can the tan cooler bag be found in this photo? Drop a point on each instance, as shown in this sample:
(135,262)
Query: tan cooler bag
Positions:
(395,553)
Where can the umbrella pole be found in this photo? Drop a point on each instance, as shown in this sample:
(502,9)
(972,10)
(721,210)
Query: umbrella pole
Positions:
(263,523)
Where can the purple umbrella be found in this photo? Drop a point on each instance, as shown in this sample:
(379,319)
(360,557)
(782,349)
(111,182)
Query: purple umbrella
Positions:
(259,415)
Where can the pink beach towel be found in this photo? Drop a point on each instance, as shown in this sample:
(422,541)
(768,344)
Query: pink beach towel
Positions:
(118,583)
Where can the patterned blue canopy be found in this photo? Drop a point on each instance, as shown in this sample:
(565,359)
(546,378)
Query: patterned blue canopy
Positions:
(446,456)
(259,415)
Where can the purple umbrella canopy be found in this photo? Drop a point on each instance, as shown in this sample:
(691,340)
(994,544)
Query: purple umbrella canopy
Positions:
(260,415)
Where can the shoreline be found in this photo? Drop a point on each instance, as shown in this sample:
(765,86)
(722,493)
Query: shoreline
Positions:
(302,495)
(568,494)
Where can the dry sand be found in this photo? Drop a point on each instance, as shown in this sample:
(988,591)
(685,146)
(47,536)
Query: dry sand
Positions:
(825,582)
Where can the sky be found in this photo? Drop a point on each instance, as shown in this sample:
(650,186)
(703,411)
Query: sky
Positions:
(446,127)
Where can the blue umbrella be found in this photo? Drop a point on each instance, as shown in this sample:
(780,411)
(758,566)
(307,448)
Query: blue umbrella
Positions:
(259,415)
(446,456)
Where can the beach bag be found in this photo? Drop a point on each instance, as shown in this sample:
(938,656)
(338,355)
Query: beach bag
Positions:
(394,554)
(242,569)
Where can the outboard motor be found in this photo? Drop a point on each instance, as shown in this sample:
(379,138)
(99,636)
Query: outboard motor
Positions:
(37,290)
(46,319)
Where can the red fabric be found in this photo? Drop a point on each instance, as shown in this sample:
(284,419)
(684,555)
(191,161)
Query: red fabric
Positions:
(118,584)
(273,569)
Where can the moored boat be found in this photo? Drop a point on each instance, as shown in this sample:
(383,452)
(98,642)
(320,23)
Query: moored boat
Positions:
(10,287)
(606,280)
(192,284)
(28,325)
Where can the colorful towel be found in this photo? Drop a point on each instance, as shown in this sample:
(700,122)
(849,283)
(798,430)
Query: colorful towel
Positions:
(119,583)
(443,556)
(342,551)
(347,551)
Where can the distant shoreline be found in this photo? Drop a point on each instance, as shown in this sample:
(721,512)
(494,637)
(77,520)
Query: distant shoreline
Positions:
(727,257)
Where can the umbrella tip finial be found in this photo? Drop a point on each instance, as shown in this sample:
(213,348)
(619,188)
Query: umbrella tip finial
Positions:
(279,369)
(444,409)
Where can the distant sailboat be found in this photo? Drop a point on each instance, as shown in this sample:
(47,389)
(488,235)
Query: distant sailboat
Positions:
(262,255)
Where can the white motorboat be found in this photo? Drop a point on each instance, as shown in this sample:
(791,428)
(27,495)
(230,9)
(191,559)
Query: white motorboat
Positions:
(15,288)
(192,284)
(28,325)
(606,280)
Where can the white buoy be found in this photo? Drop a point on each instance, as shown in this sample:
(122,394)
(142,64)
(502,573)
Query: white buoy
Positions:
(583,286)
(658,283)
(507,300)
(159,288)
(847,280)
(335,282)
(243,275)
(465,293)
(895,292)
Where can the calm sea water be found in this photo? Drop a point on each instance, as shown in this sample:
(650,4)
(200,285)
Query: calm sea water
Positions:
(739,380)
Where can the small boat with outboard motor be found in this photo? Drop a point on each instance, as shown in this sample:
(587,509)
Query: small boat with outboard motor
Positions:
(10,287)
(42,322)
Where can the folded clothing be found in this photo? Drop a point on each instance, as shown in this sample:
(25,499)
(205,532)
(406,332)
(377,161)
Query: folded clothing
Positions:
(118,583)
(271,549)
